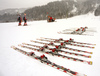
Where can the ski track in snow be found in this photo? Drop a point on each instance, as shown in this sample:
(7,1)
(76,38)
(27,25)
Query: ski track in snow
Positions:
(13,63)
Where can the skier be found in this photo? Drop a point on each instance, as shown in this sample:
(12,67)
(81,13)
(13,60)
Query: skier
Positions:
(19,19)
(51,19)
(25,20)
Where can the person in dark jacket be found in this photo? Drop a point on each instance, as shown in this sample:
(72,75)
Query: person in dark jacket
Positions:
(19,19)
(25,20)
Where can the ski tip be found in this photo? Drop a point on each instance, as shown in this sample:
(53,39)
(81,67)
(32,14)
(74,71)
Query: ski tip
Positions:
(42,37)
(59,32)
(91,52)
(31,40)
(95,44)
(23,43)
(81,74)
(19,45)
(12,46)
(90,62)
(93,47)
(38,39)
(89,56)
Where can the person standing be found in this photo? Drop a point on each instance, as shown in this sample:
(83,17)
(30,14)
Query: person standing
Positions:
(19,19)
(25,20)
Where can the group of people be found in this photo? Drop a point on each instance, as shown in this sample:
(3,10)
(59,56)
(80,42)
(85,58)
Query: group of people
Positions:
(49,19)
(20,20)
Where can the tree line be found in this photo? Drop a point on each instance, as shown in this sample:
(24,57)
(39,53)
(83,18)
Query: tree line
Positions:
(57,9)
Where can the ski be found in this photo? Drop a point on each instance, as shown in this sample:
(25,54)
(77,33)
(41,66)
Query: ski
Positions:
(44,59)
(60,46)
(73,29)
(56,54)
(69,33)
(67,42)
(56,50)
(72,33)
(71,40)
(78,31)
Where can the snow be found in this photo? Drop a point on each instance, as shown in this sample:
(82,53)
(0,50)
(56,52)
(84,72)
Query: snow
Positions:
(74,9)
(75,0)
(13,63)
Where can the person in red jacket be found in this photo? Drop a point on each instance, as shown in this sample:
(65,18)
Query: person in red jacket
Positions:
(19,19)
(50,19)
(25,20)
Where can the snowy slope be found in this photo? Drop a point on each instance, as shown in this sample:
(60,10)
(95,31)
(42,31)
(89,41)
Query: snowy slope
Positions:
(13,63)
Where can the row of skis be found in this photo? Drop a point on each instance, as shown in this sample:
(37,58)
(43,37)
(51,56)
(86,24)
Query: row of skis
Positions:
(55,47)
(78,31)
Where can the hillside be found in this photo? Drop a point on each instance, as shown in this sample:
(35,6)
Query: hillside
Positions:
(62,9)
(12,11)
(58,9)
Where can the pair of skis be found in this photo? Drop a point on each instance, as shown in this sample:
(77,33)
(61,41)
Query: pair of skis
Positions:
(55,52)
(44,59)
(70,40)
(67,42)
(46,47)
(87,29)
(79,31)
(60,46)
(46,51)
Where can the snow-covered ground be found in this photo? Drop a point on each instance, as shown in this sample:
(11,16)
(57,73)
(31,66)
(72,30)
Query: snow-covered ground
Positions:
(13,63)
